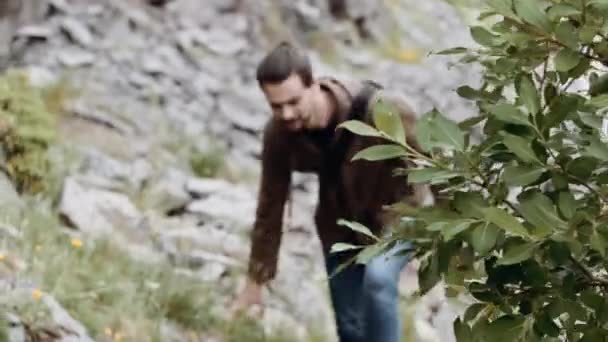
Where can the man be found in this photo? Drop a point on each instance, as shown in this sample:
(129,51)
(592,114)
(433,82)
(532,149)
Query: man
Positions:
(302,136)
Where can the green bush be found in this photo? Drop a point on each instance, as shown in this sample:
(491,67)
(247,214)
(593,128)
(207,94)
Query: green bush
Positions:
(523,222)
(27,128)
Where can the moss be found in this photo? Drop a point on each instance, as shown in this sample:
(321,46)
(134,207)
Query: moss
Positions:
(208,163)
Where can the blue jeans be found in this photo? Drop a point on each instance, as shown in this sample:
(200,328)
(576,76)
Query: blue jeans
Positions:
(365,297)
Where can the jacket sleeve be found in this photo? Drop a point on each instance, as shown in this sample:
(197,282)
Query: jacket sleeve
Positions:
(274,186)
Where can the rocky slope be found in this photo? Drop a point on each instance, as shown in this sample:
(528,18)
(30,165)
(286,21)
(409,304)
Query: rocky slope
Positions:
(147,87)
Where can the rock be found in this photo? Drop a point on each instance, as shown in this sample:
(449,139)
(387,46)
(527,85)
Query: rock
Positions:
(208,238)
(75,331)
(221,201)
(16,330)
(77,32)
(278,321)
(222,42)
(167,193)
(75,58)
(212,272)
(39,76)
(61,5)
(96,212)
(153,65)
(197,259)
(241,113)
(35,32)
(82,109)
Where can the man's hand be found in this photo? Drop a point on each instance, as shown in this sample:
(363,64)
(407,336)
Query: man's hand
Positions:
(249,299)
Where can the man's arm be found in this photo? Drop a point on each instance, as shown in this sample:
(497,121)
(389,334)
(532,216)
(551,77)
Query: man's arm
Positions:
(274,186)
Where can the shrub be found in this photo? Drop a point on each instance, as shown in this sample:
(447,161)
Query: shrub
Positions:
(523,226)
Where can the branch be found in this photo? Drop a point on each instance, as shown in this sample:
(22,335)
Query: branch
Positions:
(587,273)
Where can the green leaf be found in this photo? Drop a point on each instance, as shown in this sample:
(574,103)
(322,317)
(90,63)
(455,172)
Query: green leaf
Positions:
(598,102)
(522,175)
(599,4)
(533,14)
(370,252)
(597,148)
(591,120)
(484,238)
(360,128)
(566,59)
(599,85)
(582,167)
(429,174)
(529,95)
(473,311)
(506,329)
(598,243)
(448,132)
(424,132)
(467,92)
(567,34)
(454,228)
(560,109)
(521,147)
(567,204)
(380,152)
(483,37)
(538,209)
(436,226)
(503,7)
(509,113)
(517,253)
(388,120)
(505,221)
(562,10)
(462,331)
(341,247)
(357,227)
(452,51)
(470,204)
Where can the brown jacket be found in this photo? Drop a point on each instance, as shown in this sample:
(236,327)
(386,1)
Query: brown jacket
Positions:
(358,193)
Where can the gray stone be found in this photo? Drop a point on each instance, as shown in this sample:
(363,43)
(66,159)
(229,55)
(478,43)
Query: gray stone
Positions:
(86,111)
(78,32)
(16,330)
(73,58)
(153,65)
(76,332)
(241,113)
(167,193)
(225,207)
(222,42)
(61,5)
(40,76)
(35,32)
(208,238)
(96,212)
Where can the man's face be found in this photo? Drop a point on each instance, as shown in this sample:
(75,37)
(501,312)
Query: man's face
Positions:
(291,102)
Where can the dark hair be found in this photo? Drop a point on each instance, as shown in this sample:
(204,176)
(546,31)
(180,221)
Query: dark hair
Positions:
(281,62)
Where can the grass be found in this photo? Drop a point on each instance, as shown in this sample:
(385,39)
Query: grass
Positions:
(107,291)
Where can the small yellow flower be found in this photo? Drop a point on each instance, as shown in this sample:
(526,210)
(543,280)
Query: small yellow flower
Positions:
(108,331)
(2,257)
(37,294)
(38,248)
(118,337)
(76,243)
